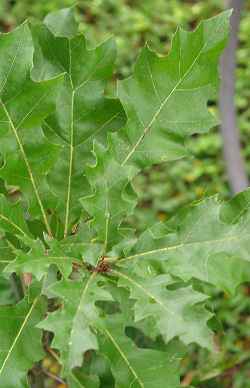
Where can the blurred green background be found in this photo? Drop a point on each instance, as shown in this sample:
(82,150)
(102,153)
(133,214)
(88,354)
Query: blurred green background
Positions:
(165,188)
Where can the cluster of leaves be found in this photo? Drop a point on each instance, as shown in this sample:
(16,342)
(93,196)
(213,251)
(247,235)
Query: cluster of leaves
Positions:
(133,23)
(71,153)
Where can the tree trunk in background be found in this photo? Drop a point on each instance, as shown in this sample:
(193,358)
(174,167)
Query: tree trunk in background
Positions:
(234,162)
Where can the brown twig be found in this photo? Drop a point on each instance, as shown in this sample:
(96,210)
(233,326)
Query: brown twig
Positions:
(54,377)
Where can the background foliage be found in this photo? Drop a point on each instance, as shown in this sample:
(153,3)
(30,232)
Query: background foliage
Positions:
(165,188)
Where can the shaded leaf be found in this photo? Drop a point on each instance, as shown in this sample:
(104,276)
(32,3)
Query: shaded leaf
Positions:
(176,313)
(135,367)
(39,259)
(23,105)
(73,323)
(20,341)
(79,379)
(113,198)
(12,218)
(6,254)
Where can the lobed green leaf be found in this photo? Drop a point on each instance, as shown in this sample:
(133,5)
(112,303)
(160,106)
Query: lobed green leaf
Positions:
(70,152)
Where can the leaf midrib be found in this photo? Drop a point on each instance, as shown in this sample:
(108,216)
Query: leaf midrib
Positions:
(18,335)
(71,145)
(77,381)
(145,291)
(123,356)
(85,289)
(25,158)
(6,219)
(181,245)
(162,105)
(4,83)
